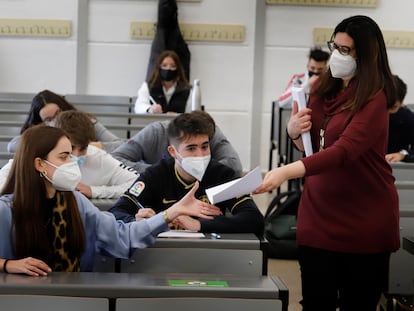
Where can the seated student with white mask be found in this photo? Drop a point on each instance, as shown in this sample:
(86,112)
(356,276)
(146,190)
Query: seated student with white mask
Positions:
(102,175)
(40,212)
(166,182)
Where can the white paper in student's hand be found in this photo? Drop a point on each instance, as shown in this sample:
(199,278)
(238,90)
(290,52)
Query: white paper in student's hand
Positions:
(298,94)
(235,188)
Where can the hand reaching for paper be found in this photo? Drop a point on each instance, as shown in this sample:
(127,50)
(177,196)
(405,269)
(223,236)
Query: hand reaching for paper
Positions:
(277,176)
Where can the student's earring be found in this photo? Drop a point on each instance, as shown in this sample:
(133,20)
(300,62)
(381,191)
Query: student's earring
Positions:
(43,174)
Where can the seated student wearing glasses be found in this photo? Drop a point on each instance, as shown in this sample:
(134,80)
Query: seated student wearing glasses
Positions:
(166,182)
(45,107)
(401,128)
(102,175)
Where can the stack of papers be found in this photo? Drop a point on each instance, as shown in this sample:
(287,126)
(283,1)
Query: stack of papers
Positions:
(235,188)
(181,234)
(298,94)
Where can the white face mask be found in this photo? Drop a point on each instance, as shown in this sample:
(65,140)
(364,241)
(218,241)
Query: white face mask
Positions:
(66,177)
(342,66)
(195,166)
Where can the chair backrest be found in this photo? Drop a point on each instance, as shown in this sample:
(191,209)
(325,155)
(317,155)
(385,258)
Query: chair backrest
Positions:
(41,303)
(195,260)
(197,303)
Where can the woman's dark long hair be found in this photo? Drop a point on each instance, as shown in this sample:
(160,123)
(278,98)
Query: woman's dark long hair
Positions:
(373,72)
(29,196)
(38,102)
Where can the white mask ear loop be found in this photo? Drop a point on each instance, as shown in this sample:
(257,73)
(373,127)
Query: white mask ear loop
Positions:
(178,157)
(44,173)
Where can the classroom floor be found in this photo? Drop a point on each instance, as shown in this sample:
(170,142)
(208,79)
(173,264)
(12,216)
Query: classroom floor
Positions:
(287,270)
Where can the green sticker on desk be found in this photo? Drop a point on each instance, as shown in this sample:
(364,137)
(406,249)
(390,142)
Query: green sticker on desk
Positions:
(197,283)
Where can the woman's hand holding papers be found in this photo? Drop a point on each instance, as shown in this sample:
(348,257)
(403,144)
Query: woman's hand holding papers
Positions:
(277,176)
(299,122)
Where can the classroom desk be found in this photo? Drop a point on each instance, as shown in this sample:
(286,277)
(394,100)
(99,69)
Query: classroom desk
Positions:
(400,276)
(136,285)
(403,171)
(235,253)
(408,244)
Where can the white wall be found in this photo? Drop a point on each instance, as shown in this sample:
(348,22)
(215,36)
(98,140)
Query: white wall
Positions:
(232,90)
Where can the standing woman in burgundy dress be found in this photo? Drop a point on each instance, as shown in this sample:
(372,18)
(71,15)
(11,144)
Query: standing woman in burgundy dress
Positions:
(348,219)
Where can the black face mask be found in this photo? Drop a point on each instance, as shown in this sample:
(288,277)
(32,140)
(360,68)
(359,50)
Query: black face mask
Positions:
(311,73)
(168,75)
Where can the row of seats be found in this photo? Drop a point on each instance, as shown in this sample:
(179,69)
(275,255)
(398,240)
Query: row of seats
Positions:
(401,273)
(115,112)
(234,253)
(123,292)
(175,273)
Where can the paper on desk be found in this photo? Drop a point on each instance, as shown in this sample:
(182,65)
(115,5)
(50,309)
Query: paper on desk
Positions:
(298,94)
(181,234)
(237,187)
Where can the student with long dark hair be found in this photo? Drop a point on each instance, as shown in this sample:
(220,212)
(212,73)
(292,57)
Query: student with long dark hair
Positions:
(44,108)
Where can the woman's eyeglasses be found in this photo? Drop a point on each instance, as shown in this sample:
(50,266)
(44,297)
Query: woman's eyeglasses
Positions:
(342,49)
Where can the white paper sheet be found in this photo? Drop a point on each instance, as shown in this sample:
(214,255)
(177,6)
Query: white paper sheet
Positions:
(181,234)
(298,94)
(237,187)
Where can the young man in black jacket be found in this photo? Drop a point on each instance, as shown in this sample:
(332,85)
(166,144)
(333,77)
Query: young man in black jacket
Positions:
(166,182)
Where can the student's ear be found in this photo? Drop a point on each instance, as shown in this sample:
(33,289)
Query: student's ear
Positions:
(171,151)
(39,165)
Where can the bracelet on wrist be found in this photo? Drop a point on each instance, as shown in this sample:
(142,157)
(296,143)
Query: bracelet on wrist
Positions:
(4,266)
(165,215)
(292,138)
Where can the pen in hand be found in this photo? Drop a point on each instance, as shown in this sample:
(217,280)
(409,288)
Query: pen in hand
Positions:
(152,100)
